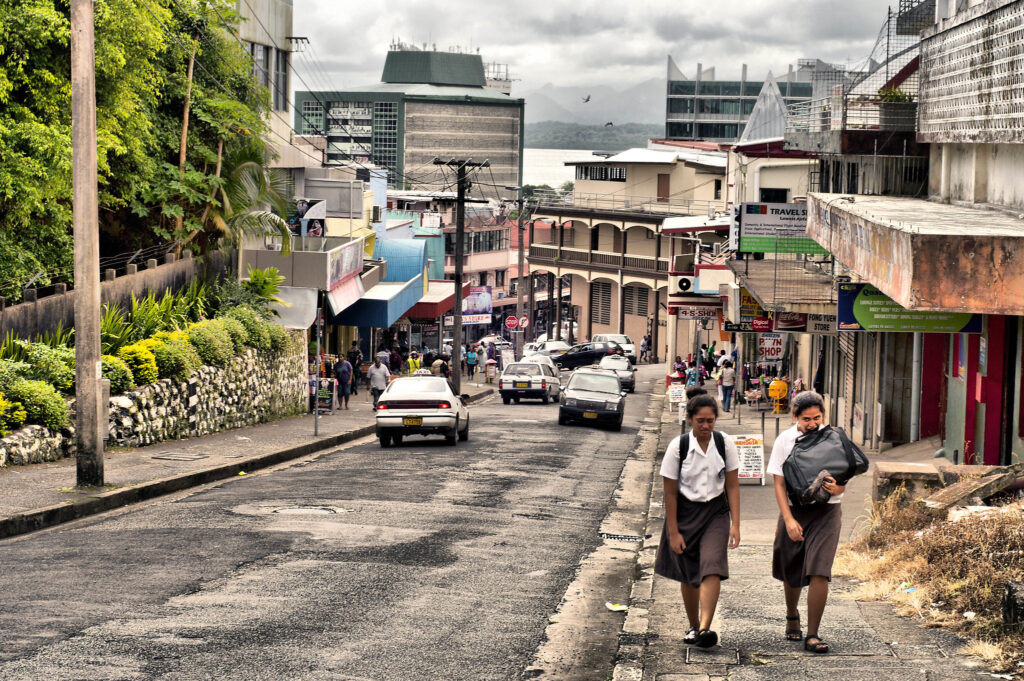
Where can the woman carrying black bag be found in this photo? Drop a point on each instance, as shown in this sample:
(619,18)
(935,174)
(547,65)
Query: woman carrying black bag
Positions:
(807,536)
(702,515)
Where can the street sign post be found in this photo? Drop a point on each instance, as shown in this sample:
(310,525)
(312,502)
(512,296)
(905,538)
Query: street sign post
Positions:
(511,322)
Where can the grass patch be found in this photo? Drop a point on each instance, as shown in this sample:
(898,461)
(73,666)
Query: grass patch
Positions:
(947,574)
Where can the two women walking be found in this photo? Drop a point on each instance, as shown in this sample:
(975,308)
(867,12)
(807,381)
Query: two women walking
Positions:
(702,511)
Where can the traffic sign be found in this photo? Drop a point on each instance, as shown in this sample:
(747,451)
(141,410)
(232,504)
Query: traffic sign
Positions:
(524,321)
(511,322)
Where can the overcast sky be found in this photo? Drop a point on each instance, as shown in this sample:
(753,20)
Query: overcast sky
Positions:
(587,43)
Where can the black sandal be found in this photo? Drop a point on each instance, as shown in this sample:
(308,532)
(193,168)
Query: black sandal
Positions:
(706,638)
(794,634)
(818,647)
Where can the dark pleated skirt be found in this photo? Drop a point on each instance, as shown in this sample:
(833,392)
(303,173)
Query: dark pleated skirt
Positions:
(705,529)
(796,562)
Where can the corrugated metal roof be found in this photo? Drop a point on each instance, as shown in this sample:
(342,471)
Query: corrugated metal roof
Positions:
(435,68)
(406,258)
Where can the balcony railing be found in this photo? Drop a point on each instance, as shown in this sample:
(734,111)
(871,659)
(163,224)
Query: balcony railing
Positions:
(672,205)
(602,259)
(851,112)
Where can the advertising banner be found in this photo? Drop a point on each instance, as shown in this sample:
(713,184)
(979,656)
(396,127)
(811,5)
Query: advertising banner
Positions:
(750,449)
(753,318)
(478,302)
(862,307)
(776,228)
(344,262)
(468,319)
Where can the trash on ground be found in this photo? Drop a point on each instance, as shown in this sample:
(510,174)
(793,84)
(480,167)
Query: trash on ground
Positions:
(616,607)
(969,615)
(241,472)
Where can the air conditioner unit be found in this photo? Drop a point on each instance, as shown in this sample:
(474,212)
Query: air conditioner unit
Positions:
(376,214)
(681,284)
(275,246)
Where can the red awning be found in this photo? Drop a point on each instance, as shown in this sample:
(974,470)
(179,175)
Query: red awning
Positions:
(437,301)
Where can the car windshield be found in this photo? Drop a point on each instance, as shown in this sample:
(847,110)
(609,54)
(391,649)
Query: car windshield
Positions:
(615,362)
(594,382)
(522,370)
(617,338)
(414,386)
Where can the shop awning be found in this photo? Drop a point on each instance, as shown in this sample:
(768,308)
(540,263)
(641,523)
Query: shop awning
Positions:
(382,305)
(345,294)
(438,300)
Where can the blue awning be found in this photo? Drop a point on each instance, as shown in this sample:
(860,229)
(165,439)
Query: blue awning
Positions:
(382,305)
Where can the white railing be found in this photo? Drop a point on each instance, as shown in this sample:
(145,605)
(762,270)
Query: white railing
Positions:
(627,202)
(851,112)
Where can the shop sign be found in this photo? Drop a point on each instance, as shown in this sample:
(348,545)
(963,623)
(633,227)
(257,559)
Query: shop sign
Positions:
(770,347)
(467,319)
(862,307)
(776,228)
(799,322)
(344,262)
(697,312)
(750,452)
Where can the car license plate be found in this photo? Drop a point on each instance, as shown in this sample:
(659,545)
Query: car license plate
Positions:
(522,384)
(412,421)
(590,414)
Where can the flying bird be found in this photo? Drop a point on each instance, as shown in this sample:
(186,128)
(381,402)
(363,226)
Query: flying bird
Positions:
(609,123)
(586,99)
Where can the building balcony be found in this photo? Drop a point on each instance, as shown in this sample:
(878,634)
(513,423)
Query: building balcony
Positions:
(852,124)
(481,262)
(573,204)
(603,261)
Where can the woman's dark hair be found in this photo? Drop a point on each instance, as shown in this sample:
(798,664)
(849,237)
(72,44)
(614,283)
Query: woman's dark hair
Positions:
(699,402)
(695,390)
(727,363)
(805,400)
(693,365)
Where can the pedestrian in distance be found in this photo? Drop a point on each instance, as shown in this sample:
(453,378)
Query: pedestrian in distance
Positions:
(643,348)
(721,359)
(693,375)
(806,536)
(471,361)
(355,358)
(728,379)
(700,473)
(395,361)
(678,366)
(413,363)
(377,375)
(343,374)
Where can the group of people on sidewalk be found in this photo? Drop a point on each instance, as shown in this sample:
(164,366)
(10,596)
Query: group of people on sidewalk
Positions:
(702,521)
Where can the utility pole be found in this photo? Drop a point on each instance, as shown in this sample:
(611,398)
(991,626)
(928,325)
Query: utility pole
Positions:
(460,236)
(89,432)
(521,336)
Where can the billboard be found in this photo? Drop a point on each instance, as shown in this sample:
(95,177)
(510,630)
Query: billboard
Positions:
(862,307)
(344,262)
(308,218)
(800,322)
(776,228)
(478,302)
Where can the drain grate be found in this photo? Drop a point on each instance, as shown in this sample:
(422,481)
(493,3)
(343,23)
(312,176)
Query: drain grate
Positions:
(305,510)
(181,456)
(620,537)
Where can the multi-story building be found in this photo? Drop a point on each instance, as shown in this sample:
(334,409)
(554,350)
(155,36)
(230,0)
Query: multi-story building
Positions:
(952,262)
(428,105)
(717,110)
(617,241)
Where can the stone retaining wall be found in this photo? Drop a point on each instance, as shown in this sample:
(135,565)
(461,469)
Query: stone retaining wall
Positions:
(252,389)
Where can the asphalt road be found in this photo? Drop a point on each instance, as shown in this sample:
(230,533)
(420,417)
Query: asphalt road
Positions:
(421,561)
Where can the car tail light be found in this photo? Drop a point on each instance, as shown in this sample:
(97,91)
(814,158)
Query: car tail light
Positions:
(543,384)
(444,405)
(611,352)
(382,405)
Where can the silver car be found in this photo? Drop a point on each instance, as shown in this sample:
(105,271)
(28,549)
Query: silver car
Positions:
(529,380)
(623,340)
(623,368)
(421,405)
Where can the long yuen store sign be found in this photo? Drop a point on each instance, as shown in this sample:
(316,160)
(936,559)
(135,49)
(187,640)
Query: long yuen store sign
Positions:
(862,307)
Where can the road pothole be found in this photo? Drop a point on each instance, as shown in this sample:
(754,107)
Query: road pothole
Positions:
(305,510)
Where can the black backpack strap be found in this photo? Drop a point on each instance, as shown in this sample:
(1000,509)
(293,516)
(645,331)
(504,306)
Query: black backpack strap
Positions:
(684,449)
(720,446)
(848,450)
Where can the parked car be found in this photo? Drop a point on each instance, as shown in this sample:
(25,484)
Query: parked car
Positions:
(421,405)
(586,354)
(541,359)
(529,380)
(530,348)
(623,368)
(498,341)
(551,348)
(624,342)
(592,395)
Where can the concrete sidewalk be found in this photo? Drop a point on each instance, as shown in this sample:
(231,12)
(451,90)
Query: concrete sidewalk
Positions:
(41,495)
(868,641)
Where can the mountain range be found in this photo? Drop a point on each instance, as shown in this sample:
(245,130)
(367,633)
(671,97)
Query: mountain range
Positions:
(641,103)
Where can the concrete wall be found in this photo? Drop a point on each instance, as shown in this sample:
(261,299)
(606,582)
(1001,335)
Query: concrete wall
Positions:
(29,319)
(1004,172)
(463,130)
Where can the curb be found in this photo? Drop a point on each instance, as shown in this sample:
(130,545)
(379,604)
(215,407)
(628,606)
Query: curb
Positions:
(49,516)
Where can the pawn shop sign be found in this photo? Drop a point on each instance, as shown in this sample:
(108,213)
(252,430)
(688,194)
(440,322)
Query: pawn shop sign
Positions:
(511,322)
(524,322)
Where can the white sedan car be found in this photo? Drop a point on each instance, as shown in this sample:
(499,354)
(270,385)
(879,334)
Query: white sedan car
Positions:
(421,405)
(552,348)
(529,380)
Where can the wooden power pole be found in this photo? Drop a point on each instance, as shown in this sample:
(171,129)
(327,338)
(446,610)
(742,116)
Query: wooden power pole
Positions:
(460,237)
(90,414)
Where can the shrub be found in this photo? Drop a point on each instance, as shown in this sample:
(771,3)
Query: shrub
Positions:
(11,371)
(12,415)
(139,358)
(255,326)
(235,329)
(279,339)
(212,342)
(53,365)
(43,405)
(117,372)
(176,358)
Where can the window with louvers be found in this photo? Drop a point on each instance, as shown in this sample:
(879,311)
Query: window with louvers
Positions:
(601,302)
(635,301)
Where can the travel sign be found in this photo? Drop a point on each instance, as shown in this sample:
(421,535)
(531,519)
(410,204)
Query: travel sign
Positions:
(862,307)
(776,228)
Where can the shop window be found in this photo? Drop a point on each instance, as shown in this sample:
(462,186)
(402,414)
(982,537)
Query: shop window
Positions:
(774,195)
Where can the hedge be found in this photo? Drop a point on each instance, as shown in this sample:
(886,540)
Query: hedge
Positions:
(55,366)
(213,343)
(139,358)
(255,326)
(12,415)
(42,403)
(10,371)
(117,372)
(177,359)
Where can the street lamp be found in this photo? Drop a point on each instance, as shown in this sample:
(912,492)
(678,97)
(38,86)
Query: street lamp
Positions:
(521,282)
